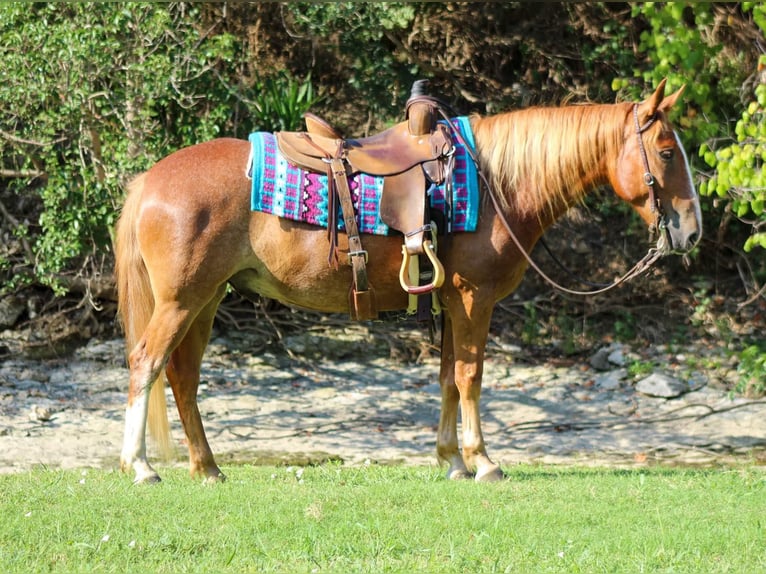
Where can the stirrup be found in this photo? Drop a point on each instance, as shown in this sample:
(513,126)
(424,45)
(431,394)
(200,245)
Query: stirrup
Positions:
(438,276)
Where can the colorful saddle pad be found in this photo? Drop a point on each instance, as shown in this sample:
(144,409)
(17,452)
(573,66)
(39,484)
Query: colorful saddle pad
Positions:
(284,190)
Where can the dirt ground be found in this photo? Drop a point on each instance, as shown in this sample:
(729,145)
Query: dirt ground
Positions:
(313,398)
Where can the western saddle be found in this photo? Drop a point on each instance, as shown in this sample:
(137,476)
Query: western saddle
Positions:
(411,156)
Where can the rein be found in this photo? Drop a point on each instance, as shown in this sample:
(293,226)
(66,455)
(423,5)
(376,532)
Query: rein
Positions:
(643,265)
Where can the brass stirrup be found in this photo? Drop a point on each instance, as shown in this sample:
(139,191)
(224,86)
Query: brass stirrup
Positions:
(438,277)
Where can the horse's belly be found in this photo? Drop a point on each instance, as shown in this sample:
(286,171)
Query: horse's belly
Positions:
(290,264)
(325,297)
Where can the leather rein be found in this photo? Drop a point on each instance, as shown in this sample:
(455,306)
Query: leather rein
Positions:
(660,224)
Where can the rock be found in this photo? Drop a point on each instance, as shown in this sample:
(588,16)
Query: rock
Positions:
(40,414)
(11,308)
(611,380)
(617,357)
(606,357)
(660,385)
(112,351)
(600,360)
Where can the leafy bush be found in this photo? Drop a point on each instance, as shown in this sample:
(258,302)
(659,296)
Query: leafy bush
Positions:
(739,175)
(359,30)
(90,97)
(752,370)
(279,102)
(682,45)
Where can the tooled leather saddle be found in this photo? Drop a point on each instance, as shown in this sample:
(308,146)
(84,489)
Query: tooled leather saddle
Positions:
(411,156)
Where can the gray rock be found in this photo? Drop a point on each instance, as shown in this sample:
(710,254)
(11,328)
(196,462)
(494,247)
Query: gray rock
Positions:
(39,413)
(11,308)
(611,380)
(607,357)
(660,385)
(600,360)
(617,357)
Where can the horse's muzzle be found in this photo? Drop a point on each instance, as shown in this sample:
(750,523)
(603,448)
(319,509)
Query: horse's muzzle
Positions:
(682,239)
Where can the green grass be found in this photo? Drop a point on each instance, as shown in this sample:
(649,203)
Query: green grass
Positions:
(386,519)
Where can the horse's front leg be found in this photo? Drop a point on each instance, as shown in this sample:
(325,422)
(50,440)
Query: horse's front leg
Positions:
(469,337)
(447,448)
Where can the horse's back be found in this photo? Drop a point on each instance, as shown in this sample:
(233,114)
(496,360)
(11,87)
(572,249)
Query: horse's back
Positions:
(214,163)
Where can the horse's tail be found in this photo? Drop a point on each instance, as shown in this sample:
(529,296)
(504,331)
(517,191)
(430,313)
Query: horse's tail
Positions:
(135,304)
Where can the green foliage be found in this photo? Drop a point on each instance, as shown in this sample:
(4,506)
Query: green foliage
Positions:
(89,97)
(678,48)
(752,370)
(612,47)
(531,330)
(360,28)
(739,166)
(625,328)
(639,368)
(279,102)
(363,22)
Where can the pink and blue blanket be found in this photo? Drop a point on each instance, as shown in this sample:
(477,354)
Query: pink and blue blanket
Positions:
(287,191)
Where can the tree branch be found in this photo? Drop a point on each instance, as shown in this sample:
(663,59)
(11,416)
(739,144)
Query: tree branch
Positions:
(18,140)
(21,173)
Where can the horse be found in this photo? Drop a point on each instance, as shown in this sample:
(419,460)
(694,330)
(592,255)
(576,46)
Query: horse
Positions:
(186,232)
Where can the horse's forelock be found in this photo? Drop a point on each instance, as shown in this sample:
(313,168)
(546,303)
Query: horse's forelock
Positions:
(537,158)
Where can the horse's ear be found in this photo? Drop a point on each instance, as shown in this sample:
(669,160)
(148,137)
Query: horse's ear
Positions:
(669,101)
(649,106)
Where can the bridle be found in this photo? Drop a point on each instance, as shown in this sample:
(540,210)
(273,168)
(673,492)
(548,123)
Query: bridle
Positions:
(660,223)
(659,226)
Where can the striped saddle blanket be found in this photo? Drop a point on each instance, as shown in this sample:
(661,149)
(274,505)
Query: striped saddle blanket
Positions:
(284,190)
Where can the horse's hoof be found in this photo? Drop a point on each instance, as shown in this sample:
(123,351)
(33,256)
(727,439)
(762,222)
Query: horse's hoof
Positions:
(148,479)
(490,474)
(219,478)
(459,474)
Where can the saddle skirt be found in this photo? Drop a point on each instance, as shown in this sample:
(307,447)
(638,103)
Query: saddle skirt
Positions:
(285,190)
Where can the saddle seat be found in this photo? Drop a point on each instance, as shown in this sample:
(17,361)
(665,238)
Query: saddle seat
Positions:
(389,152)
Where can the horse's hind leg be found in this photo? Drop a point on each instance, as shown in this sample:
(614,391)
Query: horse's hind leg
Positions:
(183,372)
(148,358)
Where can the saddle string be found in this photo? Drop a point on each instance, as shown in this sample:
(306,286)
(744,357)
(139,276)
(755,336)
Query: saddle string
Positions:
(643,265)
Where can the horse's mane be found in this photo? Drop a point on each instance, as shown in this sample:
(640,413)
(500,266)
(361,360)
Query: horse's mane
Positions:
(537,158)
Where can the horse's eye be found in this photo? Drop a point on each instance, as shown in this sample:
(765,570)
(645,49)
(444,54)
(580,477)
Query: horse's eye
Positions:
(666,154)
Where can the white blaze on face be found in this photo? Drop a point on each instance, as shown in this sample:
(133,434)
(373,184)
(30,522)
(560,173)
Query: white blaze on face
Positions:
(697,209)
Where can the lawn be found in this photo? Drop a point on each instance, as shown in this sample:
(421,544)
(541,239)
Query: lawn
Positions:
(333,518)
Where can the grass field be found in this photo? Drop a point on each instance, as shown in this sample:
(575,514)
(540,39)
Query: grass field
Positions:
(386,519)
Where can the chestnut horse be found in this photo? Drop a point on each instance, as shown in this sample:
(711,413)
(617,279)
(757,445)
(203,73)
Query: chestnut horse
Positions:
(186,232)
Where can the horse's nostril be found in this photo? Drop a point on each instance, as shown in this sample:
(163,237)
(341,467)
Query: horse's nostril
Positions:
(693,239)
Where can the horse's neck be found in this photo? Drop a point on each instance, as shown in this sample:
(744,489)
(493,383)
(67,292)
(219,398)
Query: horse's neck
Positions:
(541,161)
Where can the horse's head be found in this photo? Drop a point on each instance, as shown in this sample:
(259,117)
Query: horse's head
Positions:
(652,173)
